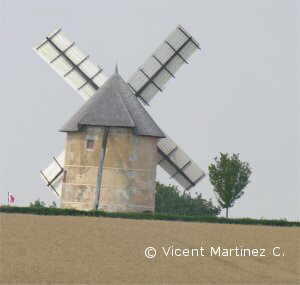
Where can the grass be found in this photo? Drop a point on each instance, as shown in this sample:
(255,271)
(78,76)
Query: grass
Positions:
(146,216)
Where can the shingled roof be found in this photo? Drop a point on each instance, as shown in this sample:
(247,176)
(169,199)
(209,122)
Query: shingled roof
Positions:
(114,105)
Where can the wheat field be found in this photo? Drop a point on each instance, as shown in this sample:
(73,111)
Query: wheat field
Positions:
(88,250)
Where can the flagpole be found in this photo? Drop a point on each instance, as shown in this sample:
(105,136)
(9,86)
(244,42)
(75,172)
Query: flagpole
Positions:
(7,198)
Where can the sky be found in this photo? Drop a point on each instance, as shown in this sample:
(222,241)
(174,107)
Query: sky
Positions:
(239,94)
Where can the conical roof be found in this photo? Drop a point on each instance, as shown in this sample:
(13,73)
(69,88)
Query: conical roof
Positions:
(114,105)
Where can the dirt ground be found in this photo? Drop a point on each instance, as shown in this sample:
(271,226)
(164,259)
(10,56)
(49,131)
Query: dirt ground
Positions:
(87,250)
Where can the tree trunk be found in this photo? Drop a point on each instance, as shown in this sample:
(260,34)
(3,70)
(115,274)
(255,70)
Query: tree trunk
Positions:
(226,213)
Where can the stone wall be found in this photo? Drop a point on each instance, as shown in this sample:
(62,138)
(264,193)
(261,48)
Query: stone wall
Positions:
(128,181)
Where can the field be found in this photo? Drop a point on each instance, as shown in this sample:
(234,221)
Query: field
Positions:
(96,250)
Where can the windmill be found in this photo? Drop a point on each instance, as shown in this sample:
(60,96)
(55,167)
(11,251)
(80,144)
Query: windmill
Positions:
(89,81)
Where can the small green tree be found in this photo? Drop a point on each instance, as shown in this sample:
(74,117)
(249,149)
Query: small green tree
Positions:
(229,176)
(53,205)
(38,204)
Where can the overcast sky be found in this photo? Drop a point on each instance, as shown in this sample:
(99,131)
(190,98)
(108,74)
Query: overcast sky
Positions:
(238,94)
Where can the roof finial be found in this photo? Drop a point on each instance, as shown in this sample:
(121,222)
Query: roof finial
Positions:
(117,69)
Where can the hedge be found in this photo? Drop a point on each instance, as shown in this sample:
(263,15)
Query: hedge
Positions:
(146,216)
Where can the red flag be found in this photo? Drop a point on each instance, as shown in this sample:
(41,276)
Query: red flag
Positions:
(11,198)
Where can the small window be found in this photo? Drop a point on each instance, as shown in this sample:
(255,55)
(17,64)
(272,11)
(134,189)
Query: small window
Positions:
(90,142)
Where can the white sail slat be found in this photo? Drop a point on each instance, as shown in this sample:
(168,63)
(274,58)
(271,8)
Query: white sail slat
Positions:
(73,65)
(53,174)
(162,65)
(178,164)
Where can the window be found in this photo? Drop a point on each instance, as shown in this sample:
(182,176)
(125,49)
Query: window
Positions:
(89,143)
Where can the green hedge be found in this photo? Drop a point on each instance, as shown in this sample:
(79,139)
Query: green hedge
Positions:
(145,216)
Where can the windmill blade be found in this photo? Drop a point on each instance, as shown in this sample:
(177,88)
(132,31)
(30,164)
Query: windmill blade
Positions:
(177,164)
(162,65)
(71,63)
(53,174)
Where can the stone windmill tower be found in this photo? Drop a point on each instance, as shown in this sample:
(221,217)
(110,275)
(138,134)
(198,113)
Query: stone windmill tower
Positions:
(113,145)
(111,150)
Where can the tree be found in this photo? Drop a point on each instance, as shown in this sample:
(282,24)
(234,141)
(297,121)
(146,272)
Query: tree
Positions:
(229,176)
(41,204)
(38,204)
(53,205)
(169,200)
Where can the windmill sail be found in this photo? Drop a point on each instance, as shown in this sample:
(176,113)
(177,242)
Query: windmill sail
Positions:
(162,65)
(71,63)
(53,174)
(178,165)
